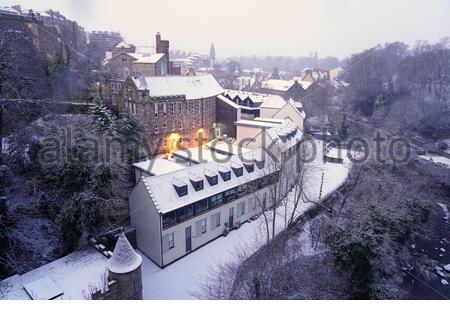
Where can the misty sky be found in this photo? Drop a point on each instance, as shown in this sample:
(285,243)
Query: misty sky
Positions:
(248,27)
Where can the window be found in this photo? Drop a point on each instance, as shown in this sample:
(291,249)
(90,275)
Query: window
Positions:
(156,110)
(238,171)
(168,242)
(164,110)
(200,227)
(184,213)
(164,128)
(226,175)
(241,208)
(250,167)
(181,127)
(172,109)
(212,180)
(252,203)
(216,200)
(180,188)
(197,184)
(156,128)
(215,220)
(180,110)
(229,195)
(200,206)
(169,219)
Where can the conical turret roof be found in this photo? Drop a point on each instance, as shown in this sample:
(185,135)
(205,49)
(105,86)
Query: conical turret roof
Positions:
(124,258)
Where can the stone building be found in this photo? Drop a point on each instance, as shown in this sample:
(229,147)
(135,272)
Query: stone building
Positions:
(127,63)
(124,280)
(163,47)
(174,111)
(100,42)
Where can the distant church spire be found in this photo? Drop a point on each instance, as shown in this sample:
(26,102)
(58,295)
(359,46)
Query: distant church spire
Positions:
(212,52)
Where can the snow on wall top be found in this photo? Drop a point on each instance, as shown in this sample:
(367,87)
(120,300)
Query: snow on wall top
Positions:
(124,258)
(193,87)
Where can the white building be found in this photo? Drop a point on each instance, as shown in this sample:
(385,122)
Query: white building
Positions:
(176,209)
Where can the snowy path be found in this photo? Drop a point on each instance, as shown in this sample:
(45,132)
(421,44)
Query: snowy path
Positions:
(180,280)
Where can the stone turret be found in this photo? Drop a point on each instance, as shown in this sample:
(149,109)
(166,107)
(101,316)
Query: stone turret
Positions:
(124,267)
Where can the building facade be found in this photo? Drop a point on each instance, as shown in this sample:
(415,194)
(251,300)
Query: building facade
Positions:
(175,111)
(178,212)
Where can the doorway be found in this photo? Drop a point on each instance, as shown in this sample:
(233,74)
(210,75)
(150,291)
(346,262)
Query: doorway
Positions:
(188,236)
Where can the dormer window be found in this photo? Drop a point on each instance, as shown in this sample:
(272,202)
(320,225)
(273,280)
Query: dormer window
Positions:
(250,167)
(259,164)
(237,169)
(225,174)
(213,179)
(197,183)
(180,187)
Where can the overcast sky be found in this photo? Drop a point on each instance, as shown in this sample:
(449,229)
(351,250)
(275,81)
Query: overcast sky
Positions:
(248,27)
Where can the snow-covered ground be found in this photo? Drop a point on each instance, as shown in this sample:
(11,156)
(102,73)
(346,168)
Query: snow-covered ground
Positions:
(73,273)
(180,280)
(437,159)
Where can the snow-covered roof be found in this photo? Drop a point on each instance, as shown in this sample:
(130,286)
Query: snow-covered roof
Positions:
(274,102)
(200,154)
(123,45)
(158,166)
(226,147)
(124,258)
(193,87)
(278,85)
(255,97)
(72,274)
(229,102)
(154,58)
(165,197)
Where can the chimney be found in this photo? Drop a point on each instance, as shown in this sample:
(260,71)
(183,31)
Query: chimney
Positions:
(158,42)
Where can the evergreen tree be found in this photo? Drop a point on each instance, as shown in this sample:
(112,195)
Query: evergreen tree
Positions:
(102,116)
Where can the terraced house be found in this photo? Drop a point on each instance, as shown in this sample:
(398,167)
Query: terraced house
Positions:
(186,199)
